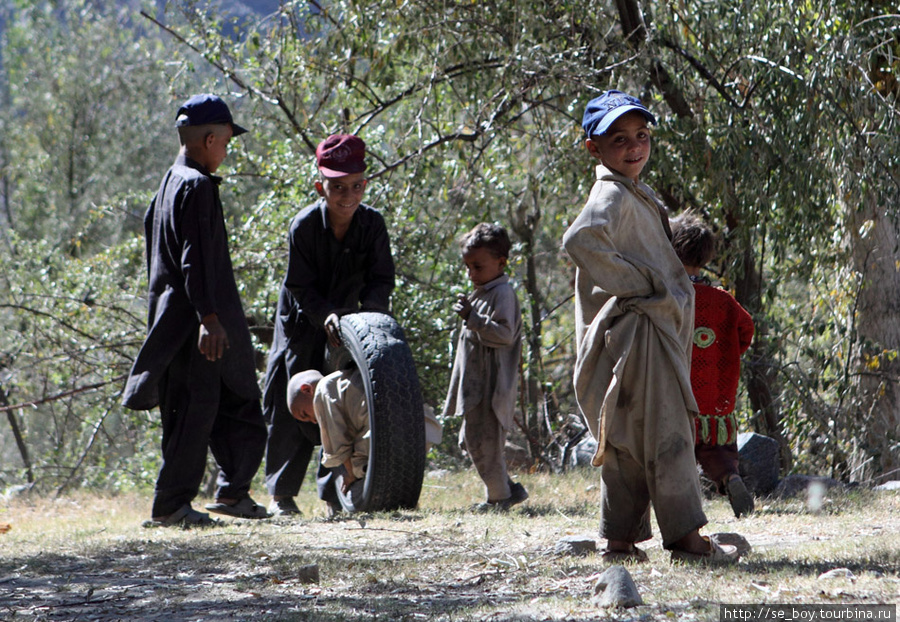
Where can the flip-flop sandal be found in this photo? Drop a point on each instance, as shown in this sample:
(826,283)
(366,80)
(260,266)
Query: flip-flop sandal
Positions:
(717,554)
(185,517)
(245,508)
(615,556)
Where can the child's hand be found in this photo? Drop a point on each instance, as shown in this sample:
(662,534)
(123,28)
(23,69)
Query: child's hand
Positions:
(213,340)
(347,482)
(349,478)
(333,329)
(462,306)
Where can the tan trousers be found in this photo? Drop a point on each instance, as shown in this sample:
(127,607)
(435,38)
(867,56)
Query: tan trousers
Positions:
(649,458)
(484,438)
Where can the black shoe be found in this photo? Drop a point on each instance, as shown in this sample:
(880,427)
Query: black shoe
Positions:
(334,509)
(518,494)
(284,507)
(740,498)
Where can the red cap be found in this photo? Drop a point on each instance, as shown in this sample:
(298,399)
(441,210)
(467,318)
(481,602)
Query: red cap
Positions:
(341,154)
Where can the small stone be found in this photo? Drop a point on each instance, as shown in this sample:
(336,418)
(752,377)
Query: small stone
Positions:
(735,539)
(837,573)
(308,573)
(583,452)
(616,588)
(891,485)
(575,545)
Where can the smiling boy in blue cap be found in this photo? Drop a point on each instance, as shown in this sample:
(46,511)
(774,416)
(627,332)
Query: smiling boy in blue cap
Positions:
(197,362)
(634,321)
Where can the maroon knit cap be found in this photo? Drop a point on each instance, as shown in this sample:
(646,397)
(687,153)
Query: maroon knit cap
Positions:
(341,154)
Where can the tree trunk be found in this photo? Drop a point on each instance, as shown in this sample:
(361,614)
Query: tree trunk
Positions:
(760,375)
(874,239)
(525,224)
(17,434)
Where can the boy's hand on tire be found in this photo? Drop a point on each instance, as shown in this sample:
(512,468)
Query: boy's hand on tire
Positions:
(333,330)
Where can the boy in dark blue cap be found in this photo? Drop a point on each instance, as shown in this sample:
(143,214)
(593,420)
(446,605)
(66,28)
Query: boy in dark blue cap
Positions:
(339,261)
(634,321)
(197,361)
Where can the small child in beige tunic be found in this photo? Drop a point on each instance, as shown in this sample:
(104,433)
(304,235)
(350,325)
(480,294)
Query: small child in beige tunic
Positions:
(486,370)
(634,312)
(337,402)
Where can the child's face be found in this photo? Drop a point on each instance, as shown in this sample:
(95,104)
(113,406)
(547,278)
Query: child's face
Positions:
(214,149)
(624,147)
(482,265)
(342,195)
(302,407)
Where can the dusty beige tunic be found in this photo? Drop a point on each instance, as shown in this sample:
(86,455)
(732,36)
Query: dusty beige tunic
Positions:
(630,287)
(343,415)
(486,368)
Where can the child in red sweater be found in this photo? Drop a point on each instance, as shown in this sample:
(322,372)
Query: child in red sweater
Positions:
(723,331)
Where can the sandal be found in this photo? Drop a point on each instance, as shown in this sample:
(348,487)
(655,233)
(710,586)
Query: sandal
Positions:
(717,554)
(185,517)
(284,507)
(245,508)
(617,556)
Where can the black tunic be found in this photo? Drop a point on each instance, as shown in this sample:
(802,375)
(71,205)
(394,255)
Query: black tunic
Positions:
(324,275)
(190,276)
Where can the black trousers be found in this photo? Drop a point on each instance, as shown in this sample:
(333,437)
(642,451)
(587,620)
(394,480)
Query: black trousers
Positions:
(200,412)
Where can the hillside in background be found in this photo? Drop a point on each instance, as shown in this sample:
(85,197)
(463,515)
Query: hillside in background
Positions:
(240,9)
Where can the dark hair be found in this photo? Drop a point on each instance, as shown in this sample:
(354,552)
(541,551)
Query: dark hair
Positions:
(693,240)
(487,235)
(188,134)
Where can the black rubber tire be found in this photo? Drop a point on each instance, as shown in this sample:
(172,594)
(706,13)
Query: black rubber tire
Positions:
(375,343)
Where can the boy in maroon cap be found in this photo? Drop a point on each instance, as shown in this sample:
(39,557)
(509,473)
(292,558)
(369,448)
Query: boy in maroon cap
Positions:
(339,261)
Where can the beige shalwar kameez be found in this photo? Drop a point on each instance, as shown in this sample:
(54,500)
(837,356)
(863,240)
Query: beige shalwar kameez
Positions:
(484,379)
(634,321)
(343,415)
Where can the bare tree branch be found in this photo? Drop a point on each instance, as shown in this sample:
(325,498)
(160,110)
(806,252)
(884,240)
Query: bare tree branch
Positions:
(63,395)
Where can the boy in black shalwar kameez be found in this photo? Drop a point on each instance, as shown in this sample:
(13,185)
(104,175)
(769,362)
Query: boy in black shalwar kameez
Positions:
(197,361)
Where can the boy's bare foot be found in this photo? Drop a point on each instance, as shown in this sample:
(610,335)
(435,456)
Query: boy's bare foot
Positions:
(622,551)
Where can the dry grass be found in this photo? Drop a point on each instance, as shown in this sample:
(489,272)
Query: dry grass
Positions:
(86,557)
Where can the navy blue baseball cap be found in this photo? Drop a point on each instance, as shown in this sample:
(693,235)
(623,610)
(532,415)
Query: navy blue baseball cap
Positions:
(602,111)
(206,109)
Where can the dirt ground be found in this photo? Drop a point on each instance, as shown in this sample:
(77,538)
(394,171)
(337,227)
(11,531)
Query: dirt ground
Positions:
(88,558)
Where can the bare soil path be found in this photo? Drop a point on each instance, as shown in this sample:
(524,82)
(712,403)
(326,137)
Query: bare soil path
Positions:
(88,558)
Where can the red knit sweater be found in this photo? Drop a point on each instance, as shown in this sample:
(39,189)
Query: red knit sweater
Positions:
(723,331)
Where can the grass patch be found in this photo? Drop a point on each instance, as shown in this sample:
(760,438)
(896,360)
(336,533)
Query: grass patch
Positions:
(87,557)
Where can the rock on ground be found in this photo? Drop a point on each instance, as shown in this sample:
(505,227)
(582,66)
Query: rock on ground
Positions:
(759,462)
(616,588)
(575,545)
